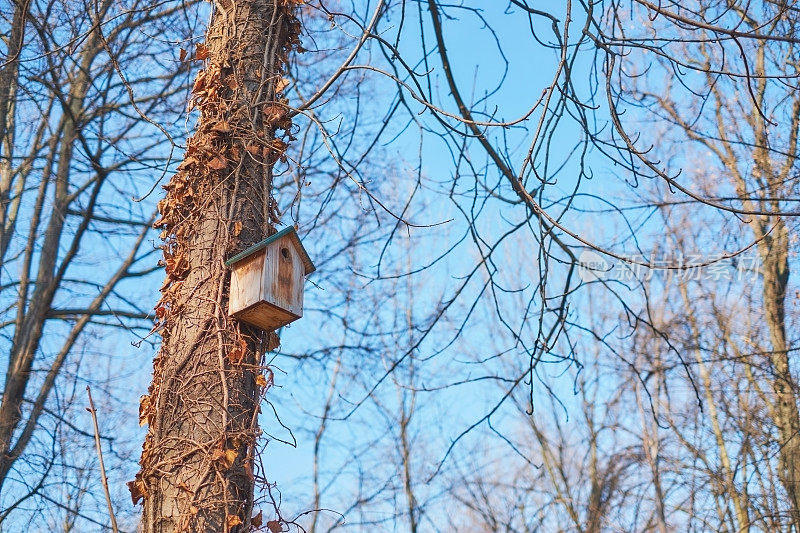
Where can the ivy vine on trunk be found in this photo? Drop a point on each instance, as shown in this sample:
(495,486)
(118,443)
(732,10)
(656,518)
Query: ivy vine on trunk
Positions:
(197,464)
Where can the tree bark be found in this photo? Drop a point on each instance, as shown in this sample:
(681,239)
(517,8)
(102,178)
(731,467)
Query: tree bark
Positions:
(9,84)
(774,254)
(202,406)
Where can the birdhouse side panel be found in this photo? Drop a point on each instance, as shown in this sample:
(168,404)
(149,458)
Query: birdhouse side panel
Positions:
(284,275)
(246,283)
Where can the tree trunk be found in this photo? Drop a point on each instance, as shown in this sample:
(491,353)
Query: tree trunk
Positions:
(774,253)
(9,83)
(31,321)
(202,406)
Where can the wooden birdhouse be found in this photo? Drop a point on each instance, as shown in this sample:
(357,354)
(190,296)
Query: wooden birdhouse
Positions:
(267,281)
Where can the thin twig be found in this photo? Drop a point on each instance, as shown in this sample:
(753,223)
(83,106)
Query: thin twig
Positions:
(103,477)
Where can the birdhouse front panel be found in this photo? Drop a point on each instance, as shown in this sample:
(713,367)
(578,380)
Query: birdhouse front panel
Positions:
(267,281)
(284,277)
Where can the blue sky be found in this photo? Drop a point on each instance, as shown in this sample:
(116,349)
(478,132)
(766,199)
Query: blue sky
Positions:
(347,290)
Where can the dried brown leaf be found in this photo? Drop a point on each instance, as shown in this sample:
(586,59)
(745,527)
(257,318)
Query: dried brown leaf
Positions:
(273,341)
(218,163)
(274,526)
(237,353)
(233,520)
(188,161)
(231,82)
(144,409)
(224,457)
(200,82)
(276,151)
(280,118)
(161,311)
(274,113)
(279,145)
(201,52)
(230,457)
(137,488)
(281,85)
(258,519)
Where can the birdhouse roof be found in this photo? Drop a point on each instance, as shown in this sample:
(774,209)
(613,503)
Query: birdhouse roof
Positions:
(292,234)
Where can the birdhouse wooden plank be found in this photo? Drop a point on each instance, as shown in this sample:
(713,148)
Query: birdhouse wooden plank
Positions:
(267,281)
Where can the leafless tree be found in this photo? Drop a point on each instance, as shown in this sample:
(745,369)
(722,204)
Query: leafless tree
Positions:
(198,464)
(83,88)
(389,131)
(512,188)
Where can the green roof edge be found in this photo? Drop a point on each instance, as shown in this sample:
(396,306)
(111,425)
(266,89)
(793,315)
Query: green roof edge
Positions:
(272,238)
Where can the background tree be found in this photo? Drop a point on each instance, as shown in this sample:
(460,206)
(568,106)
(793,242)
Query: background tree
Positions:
(501,176)
(554,214)
(78,80)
